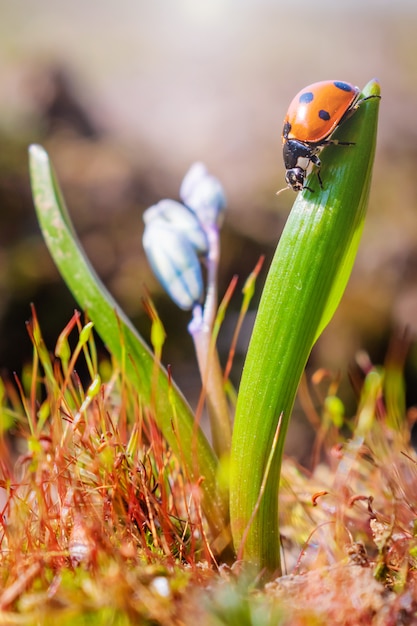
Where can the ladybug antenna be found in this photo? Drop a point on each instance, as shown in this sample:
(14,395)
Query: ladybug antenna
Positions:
(281,190)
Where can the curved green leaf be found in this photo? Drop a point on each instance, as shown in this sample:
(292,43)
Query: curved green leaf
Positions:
(306,280)
(173,414)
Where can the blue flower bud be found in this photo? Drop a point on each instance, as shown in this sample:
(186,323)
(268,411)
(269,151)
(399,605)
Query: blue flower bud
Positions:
(203,194)
(175,262)
(178,218)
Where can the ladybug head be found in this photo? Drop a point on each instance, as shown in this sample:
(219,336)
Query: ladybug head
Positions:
(295,178)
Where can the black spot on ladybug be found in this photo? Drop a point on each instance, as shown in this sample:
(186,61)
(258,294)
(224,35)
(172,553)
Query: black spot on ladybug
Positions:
(286,130)
(306,97)
(324,115)
(343,86)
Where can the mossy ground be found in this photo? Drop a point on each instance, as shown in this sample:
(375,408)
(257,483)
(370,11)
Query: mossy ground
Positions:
(100,525)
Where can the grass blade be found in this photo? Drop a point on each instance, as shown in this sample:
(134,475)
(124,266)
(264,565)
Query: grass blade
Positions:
(306,280)
(122,340)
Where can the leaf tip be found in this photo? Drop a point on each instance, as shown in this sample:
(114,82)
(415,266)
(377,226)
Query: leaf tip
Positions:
(372,89)
(38,153)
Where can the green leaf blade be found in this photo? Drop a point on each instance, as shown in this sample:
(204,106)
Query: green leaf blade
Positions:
(306,280)
(121,338)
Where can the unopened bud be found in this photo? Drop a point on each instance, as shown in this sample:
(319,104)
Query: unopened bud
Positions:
(203,194)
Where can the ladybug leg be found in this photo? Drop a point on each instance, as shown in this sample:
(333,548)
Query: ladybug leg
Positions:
(316,161)
(346,116)
(336,142)
(319,179)
(359,102)
(355,106)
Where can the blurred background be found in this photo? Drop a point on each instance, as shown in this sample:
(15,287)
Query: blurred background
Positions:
(126,95)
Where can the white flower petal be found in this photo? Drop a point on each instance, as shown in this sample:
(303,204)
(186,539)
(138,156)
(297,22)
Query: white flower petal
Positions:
(180,219)
(175,263)
(203,194)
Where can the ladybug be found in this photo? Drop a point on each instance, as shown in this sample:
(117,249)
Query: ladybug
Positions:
(312,117)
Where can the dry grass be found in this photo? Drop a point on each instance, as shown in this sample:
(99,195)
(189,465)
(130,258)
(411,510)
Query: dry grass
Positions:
(100,525)
(95,507)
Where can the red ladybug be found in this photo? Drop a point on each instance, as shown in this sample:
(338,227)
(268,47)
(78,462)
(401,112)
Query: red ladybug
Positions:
(312,117)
